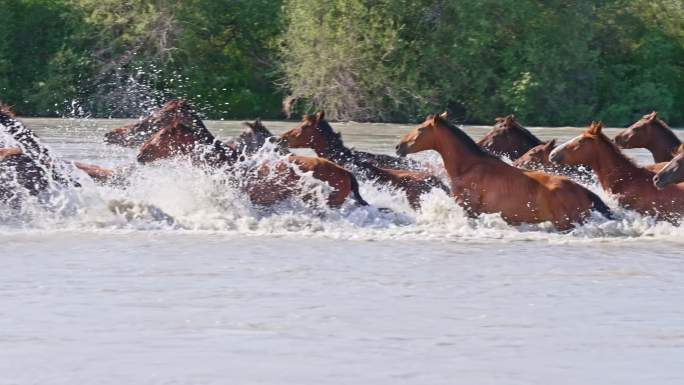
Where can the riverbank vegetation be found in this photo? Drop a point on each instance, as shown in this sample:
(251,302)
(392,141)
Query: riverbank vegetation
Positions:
(550,63)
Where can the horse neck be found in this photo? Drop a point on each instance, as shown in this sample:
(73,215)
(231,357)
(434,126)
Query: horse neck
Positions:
(663,145)
(457,156)
(612,167)
(332,150)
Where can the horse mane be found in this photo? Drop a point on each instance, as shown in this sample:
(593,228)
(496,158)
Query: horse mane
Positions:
(679,150)
(602,137)
(198,130)
(333,139)
(464,138)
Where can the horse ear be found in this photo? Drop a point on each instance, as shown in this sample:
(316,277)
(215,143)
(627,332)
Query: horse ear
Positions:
(595,128)
(444,115)
(320,115)
(509,119)
(551,144)
(654,115)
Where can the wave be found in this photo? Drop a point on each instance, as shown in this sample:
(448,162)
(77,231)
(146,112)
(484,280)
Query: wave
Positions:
(175,196)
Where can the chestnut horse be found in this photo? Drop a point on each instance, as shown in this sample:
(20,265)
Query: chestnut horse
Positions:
(135,134)
(619,175)
(537,158)
(267,183)
(508,138)
(315,133)
(483,183)
(672,173)
(651,133)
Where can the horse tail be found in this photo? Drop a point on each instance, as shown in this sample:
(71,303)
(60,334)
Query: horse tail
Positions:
(599,205)
(356,195)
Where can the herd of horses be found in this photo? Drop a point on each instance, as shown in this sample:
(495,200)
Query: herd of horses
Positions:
(541,183)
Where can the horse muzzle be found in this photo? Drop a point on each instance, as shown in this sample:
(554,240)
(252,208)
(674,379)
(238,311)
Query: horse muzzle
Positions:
(142,159)
(401,149)
(556,156)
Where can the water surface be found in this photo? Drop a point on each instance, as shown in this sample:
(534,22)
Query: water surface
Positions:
(232,294)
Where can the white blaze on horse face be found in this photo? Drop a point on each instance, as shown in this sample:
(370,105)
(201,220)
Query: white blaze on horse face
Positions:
(556,153)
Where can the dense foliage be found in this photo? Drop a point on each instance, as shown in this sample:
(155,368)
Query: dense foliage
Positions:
(550,62)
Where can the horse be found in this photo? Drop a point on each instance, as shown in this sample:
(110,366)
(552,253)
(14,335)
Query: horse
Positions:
(672,173)
(537,158)
(620,176)
(508,138)
(36,161)
(651,133)
(266,183)
(135,134)
(482,183)
(315,133)
(252,140)
(29,144)
(18,170)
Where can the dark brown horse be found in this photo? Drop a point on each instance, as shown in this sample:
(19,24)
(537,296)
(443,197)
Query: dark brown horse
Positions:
(508,138)
(19,172)
(672,172)
(29,144)
(619,175)
(315,133)
(483,183)
(650,133)
(266,183)
(252,140)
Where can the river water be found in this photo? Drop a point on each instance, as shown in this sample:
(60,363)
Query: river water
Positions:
(98,289)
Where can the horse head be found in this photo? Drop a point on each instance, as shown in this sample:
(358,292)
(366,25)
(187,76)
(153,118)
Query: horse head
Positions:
(509,138)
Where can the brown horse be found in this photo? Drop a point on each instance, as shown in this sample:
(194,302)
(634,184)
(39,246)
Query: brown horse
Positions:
(651,133)
(672,173)
(482,183)
(619,175)
(315,133)
(265,184)
(537,158)
(136,134)
(508,138)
